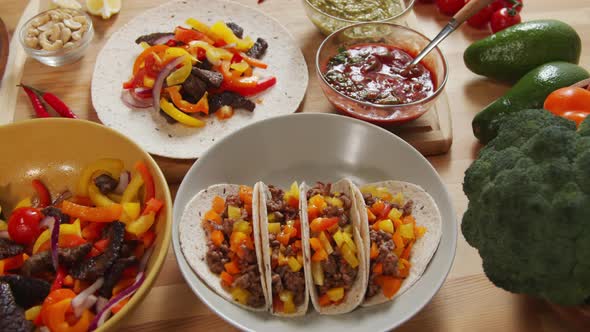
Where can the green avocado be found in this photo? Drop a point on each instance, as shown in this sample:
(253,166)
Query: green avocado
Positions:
(529,92)
(511,53)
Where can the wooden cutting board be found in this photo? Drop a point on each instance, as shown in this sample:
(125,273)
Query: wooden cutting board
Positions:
(3,48)
(431,134)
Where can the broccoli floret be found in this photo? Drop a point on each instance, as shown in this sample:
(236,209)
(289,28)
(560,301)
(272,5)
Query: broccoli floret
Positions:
(529,207)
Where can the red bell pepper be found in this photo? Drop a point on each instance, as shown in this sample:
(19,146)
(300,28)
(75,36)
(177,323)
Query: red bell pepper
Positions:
(188,35)
(153,205)
(260,86)
(42,193)
(97,214)
(148,180)
(59,279)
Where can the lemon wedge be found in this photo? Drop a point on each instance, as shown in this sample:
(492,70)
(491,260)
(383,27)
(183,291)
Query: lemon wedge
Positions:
(103,8)
(69,4)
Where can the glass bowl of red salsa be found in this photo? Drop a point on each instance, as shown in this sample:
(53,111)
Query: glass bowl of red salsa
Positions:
(363,71)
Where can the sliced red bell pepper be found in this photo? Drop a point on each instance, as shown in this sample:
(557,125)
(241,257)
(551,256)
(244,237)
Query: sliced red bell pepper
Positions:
(153,205)
(59,279)
(140,60)
(97,214)
(188,35)
(136,81)
(93,231)
(65,241)
(148,180)
(42,193)
(148,238)
(260,86)
(253,62)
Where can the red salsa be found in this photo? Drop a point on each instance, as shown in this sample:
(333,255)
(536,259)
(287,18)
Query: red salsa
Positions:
(377,74)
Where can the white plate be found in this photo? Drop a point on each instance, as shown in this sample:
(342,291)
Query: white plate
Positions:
(149,129)
(310,147)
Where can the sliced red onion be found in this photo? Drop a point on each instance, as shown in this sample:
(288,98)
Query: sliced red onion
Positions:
(124,179)
(145,258)
(164,39)
(143,93)
(54,229)
(130,101)
(102,316)
(101,303)
(79,302)
(4,235)
(159,84)
(62,197)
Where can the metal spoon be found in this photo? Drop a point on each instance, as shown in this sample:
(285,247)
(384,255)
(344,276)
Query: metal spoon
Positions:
(463,15)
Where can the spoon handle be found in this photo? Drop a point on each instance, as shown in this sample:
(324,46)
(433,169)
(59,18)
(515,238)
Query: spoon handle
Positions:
(463,15)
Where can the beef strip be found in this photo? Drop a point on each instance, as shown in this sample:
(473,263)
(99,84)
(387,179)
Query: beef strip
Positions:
(41,262)
(27,291)
(237,30)
(205,64)
(407,208)
(258,49)
(52,211)
(105,183)
(114,275)
(193,88)
(96,267)
(211,78)
(12,318)
(128,248)
(251,281)
(319,189)
(152,37)
(9,248)
(369,199)
(229,98)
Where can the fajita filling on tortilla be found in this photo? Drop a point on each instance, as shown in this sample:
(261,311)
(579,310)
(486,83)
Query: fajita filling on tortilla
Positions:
(231,250)
(335,260)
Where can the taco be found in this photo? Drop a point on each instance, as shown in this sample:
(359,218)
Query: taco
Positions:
(282,250)
(219,237)
(404,232)
(334,247)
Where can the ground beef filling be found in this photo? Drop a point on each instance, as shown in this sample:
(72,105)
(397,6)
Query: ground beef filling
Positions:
(283,278)
(337,272)
(249,277)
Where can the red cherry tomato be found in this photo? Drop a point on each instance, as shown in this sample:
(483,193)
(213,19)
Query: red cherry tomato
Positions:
(499,4)
(450,7)
(504,18)
(23,225)
(481,19)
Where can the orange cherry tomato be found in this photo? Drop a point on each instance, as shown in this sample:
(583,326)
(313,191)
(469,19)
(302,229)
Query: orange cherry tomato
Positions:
(572,103)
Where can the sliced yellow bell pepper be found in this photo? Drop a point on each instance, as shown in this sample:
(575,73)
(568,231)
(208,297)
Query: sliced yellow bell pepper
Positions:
(142,224)
(240,295)
(240,67)
(181,74)
(336,294)
(294,264)
(132,189)
(3,225)
(274,227)
(25,202)
(179,116)
(114,167)
(97,197)
(220,29)
(198,25)
(32,313)
(213,54)
(64,229)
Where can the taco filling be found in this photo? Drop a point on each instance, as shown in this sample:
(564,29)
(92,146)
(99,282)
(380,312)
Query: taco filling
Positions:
(230,247)
(392,232)
(334,261)
(284,234)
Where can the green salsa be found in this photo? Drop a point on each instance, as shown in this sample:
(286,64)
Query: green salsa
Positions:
(357,10)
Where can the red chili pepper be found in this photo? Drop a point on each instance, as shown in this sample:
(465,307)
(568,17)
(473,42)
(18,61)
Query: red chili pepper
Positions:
(59,279)
(57,104)
(42,193)
(36,102)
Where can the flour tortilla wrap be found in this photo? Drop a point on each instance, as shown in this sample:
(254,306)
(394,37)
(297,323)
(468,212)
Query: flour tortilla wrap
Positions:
(355,295)
(264,194)
(426,213)
(193,239)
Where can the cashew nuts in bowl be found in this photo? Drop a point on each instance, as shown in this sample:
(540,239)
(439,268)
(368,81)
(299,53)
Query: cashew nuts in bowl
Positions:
(56,29)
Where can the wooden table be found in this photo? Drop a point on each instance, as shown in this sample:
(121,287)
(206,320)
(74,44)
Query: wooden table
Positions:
(467,301)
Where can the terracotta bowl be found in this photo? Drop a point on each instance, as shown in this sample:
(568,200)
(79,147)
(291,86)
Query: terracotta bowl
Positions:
(55,150)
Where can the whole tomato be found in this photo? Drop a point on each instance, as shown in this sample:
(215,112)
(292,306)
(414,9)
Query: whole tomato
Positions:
(450,7)
(504,18)
(481,19)
(499,4)
(23,225)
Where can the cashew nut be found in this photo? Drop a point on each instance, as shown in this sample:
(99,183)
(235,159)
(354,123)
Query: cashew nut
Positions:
(80,19)
(77,35)
(48,45)
(56,15)
(72,24)
(46,26)
(68,44)
(54,33)
(40,21)
(66,33)
(33,32)
(31,42)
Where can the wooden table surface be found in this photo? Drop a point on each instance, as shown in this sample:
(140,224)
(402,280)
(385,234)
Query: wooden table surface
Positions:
(467,301)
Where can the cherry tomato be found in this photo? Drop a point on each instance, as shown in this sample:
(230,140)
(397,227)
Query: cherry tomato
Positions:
(499,4)
(450,7)
(23,225)
(503,19)
(572,103)
(481,19)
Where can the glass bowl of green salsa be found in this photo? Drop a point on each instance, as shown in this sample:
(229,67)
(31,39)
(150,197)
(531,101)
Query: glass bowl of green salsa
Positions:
(331,15)
(364,72)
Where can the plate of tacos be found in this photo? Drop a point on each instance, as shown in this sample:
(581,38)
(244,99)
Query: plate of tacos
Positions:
(352,230)
(180,76)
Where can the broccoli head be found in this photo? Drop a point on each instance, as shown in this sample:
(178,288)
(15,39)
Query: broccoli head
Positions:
(529,207)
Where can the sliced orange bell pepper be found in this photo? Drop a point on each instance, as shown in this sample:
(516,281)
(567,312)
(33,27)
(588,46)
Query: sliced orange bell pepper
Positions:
(389,285)
(374,250)
(148,180)
(324,300)
(371,216)
(14,262)
(245,194)
(319,255)
(407,250)
(232,267)
(201,106)
(313,212)
(98,214)
(65,241)
(53,297)
(217,238)
(218,204)
(378,268)
(397,240)
(253,62)
(227,278)
(322,224)
(56,318)
(139,61)
(148,238)
(92,231)
(212,216)
(378,207)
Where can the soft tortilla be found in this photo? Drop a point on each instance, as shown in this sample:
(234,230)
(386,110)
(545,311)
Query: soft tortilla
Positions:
(356,294)
(426,213)
(193,238)
(261,189)
(115,62)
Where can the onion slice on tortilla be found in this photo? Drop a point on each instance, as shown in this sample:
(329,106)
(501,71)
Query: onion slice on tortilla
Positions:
(159,84)
(123,182)
(52,223)
(131,101)
(80,302)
